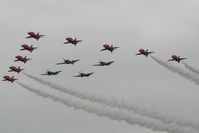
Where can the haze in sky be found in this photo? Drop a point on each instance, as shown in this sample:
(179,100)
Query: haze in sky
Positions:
(165,27)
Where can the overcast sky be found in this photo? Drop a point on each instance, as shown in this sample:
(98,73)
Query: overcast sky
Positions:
(164,26)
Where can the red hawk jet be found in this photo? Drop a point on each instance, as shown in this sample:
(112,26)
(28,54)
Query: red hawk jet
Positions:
(36,36)
(15,69)
(144,52)
(28,47)
(176,58)
(109,47)
(72,41)
(22,59)
(8,78)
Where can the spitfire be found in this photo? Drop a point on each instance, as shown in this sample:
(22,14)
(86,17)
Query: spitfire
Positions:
(49,73)
(84,74)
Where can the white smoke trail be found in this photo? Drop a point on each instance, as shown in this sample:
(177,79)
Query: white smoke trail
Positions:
(190,76)
(113,113)
(194,70)
(113,102)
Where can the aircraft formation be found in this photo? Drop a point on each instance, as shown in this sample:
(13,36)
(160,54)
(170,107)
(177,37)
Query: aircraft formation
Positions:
(73,41)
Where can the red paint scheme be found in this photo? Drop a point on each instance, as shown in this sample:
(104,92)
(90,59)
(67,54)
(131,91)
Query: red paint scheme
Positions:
(8,78)
(36,36)
(22,59)
(15,69)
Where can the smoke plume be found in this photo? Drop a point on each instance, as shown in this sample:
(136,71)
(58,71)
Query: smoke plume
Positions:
(194,70)
(113,102)
(190,76)
(112,113)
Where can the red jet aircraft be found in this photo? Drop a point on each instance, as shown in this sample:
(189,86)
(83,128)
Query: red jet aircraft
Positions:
(144,52)
(8,78)
(176,58)
(36,36)
(15,69)
(22,59)
(72,41)
(108,47)
(28,47)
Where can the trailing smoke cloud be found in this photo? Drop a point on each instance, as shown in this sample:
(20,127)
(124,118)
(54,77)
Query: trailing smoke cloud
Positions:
(194,70)
(190,76)
(113,113)
(116,103)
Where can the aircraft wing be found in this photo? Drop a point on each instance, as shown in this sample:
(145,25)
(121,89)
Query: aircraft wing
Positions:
(182,58)
(66,42)
(97,65)
(109,63)
(29,37)
(138,54)
(55,73)
(75,61)
(171,60)
(115,47)
(102,49)
(45,74)
(150,52)
(91,73)
(79,40)
(60,63)
(77,76)
(41,35)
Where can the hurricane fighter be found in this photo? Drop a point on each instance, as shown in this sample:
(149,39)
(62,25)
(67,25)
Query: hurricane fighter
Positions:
(66,61)
(49,73)
(103,63)
(83,74)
